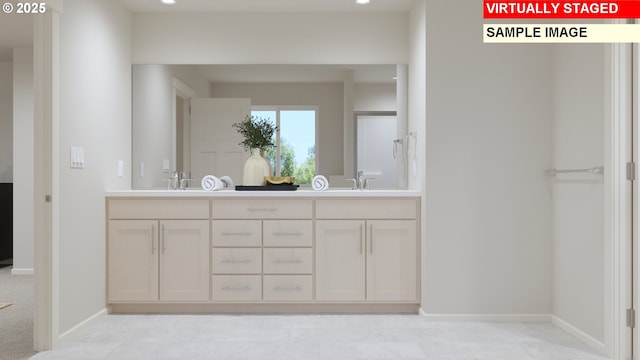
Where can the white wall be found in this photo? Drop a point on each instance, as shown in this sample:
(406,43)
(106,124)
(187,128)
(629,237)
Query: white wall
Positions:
(6,122)
(270,38)
(327,96)
(23,160)
(374,97)
(417,93)
(152,105)
(488,127)
(578,200)
(95,113)
(416,113)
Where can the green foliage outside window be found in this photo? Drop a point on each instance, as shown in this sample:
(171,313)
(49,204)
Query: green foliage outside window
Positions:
(303,173)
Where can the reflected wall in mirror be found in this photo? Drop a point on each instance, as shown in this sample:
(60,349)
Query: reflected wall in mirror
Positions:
(182,115)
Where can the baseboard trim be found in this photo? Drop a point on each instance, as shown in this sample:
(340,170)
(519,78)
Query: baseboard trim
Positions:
(486,317)
(562,324)
(581,335)
(73,333)
(23,271)
(262,308)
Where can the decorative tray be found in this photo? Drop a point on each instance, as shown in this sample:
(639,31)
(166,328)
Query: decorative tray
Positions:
(283,187)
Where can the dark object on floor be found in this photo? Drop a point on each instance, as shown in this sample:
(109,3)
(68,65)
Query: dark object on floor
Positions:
(5,265)
(6,221)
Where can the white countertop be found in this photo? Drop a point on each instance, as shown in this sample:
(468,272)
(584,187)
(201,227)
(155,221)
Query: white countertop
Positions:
(254,194)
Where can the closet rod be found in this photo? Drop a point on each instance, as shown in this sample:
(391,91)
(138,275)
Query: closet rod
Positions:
(593,170)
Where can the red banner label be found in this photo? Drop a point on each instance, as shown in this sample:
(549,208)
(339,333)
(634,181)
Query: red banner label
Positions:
(622,9)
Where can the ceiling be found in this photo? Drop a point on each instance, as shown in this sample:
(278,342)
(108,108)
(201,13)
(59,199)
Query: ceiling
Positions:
(16,31)
(268,6)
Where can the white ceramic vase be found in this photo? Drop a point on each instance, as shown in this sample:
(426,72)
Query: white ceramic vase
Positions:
(255,169)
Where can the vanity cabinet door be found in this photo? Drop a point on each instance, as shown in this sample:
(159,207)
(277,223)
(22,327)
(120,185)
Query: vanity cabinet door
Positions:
(392,260)
(132,251)
(340,260)
(184,260)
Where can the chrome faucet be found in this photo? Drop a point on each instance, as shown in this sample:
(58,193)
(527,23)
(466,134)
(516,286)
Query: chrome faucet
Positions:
(178,181)
(172,182)
(360,182)
(185,182)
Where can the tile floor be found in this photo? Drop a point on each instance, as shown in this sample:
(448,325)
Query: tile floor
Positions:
(313,337)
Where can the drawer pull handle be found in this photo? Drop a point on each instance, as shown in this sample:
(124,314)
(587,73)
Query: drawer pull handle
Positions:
(290,288)
(262,209)
(236,234)
(236,261)
(287,234)
(288,261)
(230,288)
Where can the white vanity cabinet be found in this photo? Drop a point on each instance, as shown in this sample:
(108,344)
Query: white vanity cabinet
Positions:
(132,260)
(156,253)
(366,250)
(262,250)
(266,252)
(340,260)
(236,260)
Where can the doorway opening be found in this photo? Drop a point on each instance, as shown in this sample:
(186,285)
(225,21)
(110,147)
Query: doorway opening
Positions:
(379,152)
(181,152)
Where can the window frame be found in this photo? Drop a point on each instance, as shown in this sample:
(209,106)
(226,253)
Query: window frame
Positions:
(279,108)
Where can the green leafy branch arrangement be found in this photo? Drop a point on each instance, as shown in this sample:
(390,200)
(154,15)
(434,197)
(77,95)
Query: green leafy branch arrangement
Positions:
(257,132)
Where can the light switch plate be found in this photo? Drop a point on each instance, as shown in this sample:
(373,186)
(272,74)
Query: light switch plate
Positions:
(166,166)
(120,168)
(141,169)
(77,157)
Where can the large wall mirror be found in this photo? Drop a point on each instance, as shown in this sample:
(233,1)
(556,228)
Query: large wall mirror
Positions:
(334,119)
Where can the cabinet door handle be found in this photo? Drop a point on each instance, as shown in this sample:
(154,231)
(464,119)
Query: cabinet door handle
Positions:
(370,239)
(361,240)
(236,261)
(236,234)
(230,288)
(288,261)
(153,239)
(262,209)
(287,234)
(163,238)
(287,288)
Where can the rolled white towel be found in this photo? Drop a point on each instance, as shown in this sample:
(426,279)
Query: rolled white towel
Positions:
(211,183)
(227,182)
(319,183)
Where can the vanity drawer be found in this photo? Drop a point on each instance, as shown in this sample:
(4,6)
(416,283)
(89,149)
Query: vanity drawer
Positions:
(236,287)
(287,232)
(287,287)
(262,209)
(158,209)
(236,261)
(366,209)
(288,261)
(236,233)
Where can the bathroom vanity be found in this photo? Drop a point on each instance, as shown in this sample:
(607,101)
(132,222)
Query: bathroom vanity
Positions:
(275,251)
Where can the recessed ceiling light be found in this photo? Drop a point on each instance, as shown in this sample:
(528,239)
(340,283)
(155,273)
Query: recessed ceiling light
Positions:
(363,1)
(168,2)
